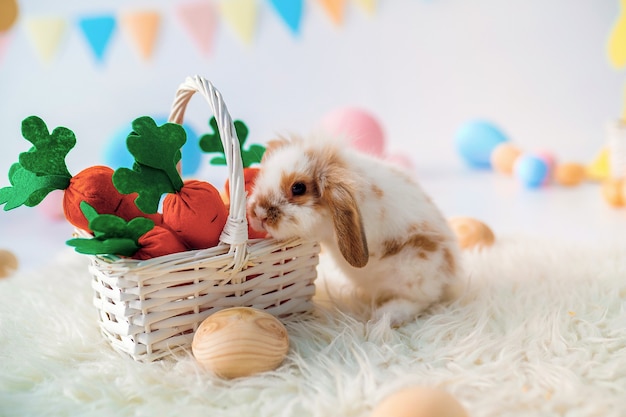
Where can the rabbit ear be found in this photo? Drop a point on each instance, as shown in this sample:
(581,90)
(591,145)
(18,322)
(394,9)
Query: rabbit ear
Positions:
(348,224)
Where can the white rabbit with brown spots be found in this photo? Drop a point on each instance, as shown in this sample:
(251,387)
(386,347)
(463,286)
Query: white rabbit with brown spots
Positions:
(378,226)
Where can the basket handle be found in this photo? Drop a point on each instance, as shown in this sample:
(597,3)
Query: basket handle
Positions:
(235,232)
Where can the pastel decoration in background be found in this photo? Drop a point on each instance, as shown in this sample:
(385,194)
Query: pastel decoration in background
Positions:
(200,20)
(616,142)
(531,170)
(52,206)
(290,12)
(143,29)
(358,127)
(476,140)
(614,191)
(598,169)
(46,35)
(401,160)
(550,160)
(98,32)
(617,39)
(241,16)
(334,9)
(9,10)
(503,157)
(116,154)
(570,174)
(419,401)
(369,6)
(8,263)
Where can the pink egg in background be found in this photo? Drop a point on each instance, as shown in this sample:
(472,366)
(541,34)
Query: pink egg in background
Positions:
(359,127)
(52,206)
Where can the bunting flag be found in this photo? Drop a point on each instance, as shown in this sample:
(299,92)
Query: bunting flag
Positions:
(334,9)
(46,34)
(290,11)
(4,43)
(617,39)
(368,5)
(98,31)
(241,16)
(143,29)
(200,20)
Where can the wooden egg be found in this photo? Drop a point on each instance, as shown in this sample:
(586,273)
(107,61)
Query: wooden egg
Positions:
(419,402)
(471,233)
(240,341)
(503,158)
(570,174)
(613,191)
(8,263)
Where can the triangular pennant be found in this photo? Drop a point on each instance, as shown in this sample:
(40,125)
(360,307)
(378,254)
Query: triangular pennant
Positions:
(290,11)
(5,37)
(368,5)
(599,169)
(334,9)
(46,34)
(200,20)
(98,31)
(143,29)
(241,16)
(617,39)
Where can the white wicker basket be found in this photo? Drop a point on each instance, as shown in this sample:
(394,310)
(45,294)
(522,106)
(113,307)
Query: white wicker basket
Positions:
(149,309)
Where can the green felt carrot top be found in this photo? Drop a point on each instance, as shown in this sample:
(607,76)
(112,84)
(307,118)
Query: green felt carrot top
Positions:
(41,169)
(212,143)
(157,151)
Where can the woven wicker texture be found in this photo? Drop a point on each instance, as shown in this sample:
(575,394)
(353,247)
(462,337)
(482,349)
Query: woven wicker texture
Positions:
(149,309)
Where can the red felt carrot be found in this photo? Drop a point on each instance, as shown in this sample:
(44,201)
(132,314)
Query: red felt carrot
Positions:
(192,209)
(42,169)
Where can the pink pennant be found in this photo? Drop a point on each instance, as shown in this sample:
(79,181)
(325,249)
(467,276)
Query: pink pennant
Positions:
(200,20)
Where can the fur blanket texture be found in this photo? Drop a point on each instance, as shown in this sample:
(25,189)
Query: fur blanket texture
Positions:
(540,330)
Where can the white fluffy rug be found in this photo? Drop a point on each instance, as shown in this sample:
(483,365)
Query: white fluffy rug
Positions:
(540,331)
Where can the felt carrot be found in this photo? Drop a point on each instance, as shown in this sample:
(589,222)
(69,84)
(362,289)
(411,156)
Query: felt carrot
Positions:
(42,169)
(212,143)
(138,238)
(192,209)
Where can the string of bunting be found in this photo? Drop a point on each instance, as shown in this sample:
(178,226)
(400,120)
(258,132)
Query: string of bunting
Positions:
(199,19)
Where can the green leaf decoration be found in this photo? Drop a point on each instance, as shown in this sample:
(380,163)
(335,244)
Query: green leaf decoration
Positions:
(28,188)
(47,156)
(212,143)
(156,150)
(41,169)
(112,234)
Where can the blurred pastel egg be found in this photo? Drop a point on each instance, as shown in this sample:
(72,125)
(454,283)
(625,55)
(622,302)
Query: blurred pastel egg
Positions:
(419,402)
(9,11)
(550,160)
(570,174)
(476,140)
(52,206)
(530,170)
(400,160)
(8,263)
(359,127)
(116,154)
(613,191)
(503,157)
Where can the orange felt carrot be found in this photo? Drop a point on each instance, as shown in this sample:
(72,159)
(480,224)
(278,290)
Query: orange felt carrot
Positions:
(42,169)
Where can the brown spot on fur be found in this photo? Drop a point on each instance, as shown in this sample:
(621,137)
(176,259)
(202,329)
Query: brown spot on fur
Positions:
(419,241)
(378,192)
(311,195)
(450,262)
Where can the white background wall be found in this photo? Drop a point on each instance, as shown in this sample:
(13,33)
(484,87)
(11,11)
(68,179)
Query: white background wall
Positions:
(538,69)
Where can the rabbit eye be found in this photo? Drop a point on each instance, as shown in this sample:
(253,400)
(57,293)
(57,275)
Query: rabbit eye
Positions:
(298,188)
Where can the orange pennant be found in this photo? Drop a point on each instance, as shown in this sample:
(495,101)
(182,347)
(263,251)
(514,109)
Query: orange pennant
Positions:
(143,29)
(334,9)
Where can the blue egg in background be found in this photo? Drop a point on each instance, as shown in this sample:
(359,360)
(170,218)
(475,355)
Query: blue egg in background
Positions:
(475,140)
(116,154)
(531,170)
